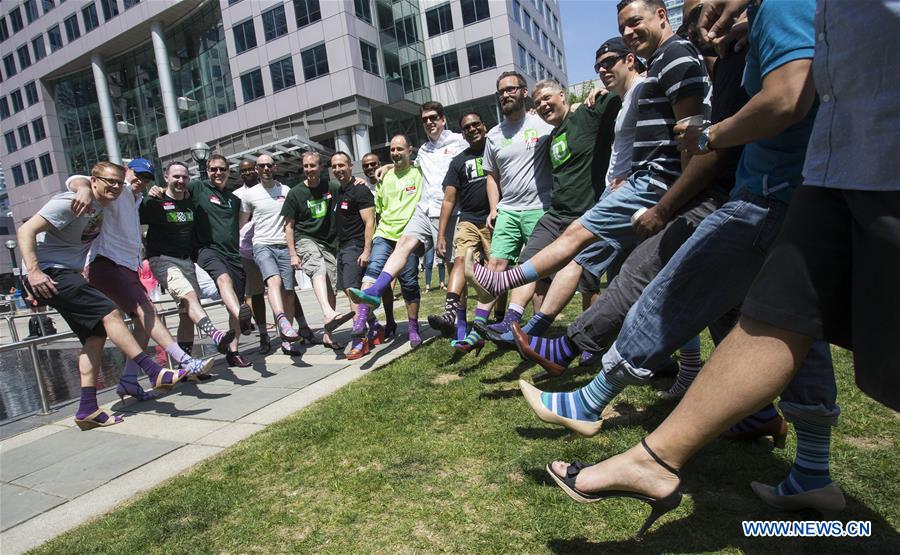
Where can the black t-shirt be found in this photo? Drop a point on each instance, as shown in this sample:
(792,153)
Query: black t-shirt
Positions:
(467,176)
(216,217)
(728,98)
(350,225)
(313,211)
(170,226)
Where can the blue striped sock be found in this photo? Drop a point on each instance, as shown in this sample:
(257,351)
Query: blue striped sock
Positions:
(810,469)
(755,420)
(538,324)
(557,349)
(586,403)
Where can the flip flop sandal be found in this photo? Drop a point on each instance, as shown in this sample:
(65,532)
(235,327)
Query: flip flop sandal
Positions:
(336,322)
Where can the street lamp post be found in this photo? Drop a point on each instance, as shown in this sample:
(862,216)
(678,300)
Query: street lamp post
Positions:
(200,154)
(11,245)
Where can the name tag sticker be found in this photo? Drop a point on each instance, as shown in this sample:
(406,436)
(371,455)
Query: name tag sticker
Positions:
(168,206)
(215,200)
(345,205)
(411,190)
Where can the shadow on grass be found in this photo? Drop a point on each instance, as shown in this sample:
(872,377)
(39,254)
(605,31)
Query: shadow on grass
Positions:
(542,433)
(514,374)
(380,351)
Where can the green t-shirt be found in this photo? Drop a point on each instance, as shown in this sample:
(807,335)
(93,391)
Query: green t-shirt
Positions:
(170,226)
(579,156)
(395,200)
(313,211)
(215,219)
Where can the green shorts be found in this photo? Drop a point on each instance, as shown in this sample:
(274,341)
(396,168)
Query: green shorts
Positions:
(512,230)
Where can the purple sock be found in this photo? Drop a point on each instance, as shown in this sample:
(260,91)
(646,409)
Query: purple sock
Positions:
(383,281)
(88,404)
(130,371)
(482,313)
(149,366)
(177,354)
(461,324)
(363,311)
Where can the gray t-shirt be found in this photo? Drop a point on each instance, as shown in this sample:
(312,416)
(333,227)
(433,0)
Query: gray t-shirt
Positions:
(67,244)
(519,152)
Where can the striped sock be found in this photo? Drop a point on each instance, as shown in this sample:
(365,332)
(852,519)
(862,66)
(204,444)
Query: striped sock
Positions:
(755,420)
(499,282)
(207,327)
(557,349)
(284,324)
(538,324)
(177,353)
(810,469)
(689,364)
(586,403)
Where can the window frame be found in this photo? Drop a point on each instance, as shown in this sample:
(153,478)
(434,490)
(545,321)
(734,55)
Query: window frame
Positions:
(280,63)
(308,17)
(18,176)
(24,61)
(77,28)
(10,141)
(107,12)
(439,11)
(271,12)
(366,7)
(372,58)
(42,50)
(31,170)
(312,50)
(262,85)
(480,46)
(46,164)
(31,91)
(476,6)
(43,134)
(447,76)
(58,33)
(89,13)
(240,29)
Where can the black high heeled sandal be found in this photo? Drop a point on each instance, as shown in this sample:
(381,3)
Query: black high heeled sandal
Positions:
(658,507)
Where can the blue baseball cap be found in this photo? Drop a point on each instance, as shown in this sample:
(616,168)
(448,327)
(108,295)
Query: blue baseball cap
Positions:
(141,165)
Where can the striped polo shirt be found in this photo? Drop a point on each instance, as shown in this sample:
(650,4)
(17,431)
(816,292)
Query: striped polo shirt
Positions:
(675,71)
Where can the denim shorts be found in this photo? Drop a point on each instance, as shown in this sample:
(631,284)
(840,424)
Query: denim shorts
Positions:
(274,260)
(409,276)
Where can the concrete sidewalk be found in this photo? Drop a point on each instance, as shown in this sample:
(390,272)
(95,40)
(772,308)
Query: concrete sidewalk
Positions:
(54,477)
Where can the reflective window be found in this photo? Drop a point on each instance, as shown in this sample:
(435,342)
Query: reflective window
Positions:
(315,62)
(4,29)
(17,104)
(89,15)
(130,3)
(15,19)
(252,85)
(55,38)
(282,73)
(306,12)
(31,94)
(369,57)
(523,58)
(46,164)
(37,128)
(9,65)
(24,56)
(407,30)
(110,9)
(72,29)
(446,66)
(439,20)
(244,36)
(363,9)
(31,170)
(517,12)
(10,138)
(40,50)
(4,108)
(475,10)
(47,5)
(413,77)
(18,176)
(481,56)
(31,11)
(274,23)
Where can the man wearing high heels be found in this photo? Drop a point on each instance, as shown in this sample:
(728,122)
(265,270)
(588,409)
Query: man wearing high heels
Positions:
(54,264)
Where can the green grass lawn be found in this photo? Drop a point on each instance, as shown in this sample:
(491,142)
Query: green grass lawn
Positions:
(433,453)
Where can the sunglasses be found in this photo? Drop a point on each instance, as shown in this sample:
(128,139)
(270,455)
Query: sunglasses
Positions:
(216,169)
(429,119)
(607,64)
(265,165)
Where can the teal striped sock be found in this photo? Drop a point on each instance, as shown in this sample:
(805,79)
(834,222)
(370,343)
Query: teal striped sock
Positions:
(588,402)
(810,469)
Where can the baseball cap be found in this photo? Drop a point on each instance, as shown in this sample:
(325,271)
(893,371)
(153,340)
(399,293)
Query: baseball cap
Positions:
(141,165)
(617,46)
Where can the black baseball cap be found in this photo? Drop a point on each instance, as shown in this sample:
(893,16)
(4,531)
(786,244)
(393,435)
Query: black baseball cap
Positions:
(617,46)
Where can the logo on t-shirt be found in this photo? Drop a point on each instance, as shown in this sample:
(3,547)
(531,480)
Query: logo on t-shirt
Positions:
(531,138)
(92,229)
(474,169)
(317,208)
(179,217)
(559,150)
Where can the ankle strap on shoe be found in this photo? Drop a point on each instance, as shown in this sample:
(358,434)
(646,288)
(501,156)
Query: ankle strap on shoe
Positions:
(658,460)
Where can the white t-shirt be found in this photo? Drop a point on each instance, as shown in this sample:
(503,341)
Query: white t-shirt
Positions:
(520,152)
(265,206)
(623,144)
(245,238)
(434,160)
(120,236)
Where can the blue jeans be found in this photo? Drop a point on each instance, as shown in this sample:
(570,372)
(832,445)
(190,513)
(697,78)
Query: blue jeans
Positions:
(409,275)
(708,276)
(610,220)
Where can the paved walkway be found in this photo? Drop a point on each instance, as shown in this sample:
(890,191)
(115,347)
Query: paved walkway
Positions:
(54,477)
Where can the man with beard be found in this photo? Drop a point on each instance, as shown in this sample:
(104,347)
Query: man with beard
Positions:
(421,232)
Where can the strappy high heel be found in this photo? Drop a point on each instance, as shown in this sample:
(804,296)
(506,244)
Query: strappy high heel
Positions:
(658,506)
(125,388)
(93,420)
(466,346)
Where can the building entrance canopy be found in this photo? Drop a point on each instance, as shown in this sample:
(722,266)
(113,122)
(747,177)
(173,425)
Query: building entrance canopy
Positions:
(287,153)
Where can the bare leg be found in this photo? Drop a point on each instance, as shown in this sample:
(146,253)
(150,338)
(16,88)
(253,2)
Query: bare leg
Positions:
(395,263)
(322,290)
(274,293)
(749,369)
(561,290)
(150,321)
(457,281)
(89,360)
(232,304)
(120,335)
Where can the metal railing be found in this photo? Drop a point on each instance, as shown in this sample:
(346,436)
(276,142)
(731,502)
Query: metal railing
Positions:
(32,343)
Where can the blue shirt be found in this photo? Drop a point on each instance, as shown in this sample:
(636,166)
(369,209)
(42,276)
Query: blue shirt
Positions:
(781,31)
(855,141)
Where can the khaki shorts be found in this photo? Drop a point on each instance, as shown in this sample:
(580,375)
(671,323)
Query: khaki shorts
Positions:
(175,275)
(316,260)
(254,285)
(472,236)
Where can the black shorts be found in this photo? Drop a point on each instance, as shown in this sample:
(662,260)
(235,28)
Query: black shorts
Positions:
(833,274)
(548,229)
(349,273)
(80,304)
(216,265)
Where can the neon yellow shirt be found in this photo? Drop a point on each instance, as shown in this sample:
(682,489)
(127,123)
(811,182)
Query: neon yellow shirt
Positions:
(395,201)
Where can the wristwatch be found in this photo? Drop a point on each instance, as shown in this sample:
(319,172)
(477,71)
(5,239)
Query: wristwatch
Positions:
(703,140)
